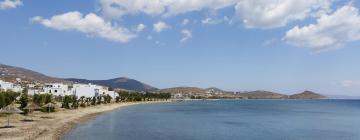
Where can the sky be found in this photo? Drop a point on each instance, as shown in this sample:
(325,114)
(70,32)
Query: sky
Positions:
(285,46)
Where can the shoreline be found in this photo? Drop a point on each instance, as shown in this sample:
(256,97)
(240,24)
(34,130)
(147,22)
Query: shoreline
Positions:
(59,122)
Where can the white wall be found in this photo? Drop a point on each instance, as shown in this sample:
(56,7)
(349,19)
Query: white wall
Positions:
(88,90)
(56,89)
(10,86)
(113,94)
(6,85)
(33,91)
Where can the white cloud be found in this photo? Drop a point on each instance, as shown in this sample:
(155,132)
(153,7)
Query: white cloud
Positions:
(217,20)
(185,22)
(187,34)
(160,26)
(9,4)
(350,84)
(211,21)
(329,32)
(253,13)
(119,8)
(140,28)
(277,13)
(228,20)
(90,24)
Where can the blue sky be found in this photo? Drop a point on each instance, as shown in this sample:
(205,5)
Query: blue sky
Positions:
(285,46)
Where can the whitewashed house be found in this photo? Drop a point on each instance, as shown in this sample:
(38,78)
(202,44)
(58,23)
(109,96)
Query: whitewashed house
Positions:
(10,86)
(87,90)
(6,85)
(33,89)
(113,94)
(90,90)
(56,89)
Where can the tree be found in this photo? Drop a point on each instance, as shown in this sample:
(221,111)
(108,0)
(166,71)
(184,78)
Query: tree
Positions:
(93,101)
(7,97)
(117,99)
(75,102)
(136,96)
(108,98)
(2,100)
(37,99)
(47,98)
(65,102)
(98,100)
(88,101)
(23,100)
(41,99)
(104,97)
(82,101)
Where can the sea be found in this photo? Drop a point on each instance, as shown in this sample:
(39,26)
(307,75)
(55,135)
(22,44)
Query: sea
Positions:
(227,120)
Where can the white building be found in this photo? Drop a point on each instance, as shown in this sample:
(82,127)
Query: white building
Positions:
(113,94)
(88,90)
(10,86)
(56,89)
(6,85)
(33,89)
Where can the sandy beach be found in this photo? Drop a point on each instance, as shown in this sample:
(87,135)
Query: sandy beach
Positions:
(52,126)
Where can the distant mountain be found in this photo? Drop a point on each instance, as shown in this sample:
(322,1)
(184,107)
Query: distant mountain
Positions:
(216,90)
(10,73)
(118,83)
(260,94)
(307,95)
(191,92)
(219,93)
(184,90)
(195,90)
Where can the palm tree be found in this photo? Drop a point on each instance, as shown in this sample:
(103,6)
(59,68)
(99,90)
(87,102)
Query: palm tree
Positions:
(82,104)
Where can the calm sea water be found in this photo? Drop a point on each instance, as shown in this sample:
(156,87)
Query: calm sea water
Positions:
(228,120)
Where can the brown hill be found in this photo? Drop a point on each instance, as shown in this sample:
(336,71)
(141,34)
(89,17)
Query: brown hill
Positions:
(118,83)
(184,90)
(259,94)
(307,95)
(216,92)
(10,73)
